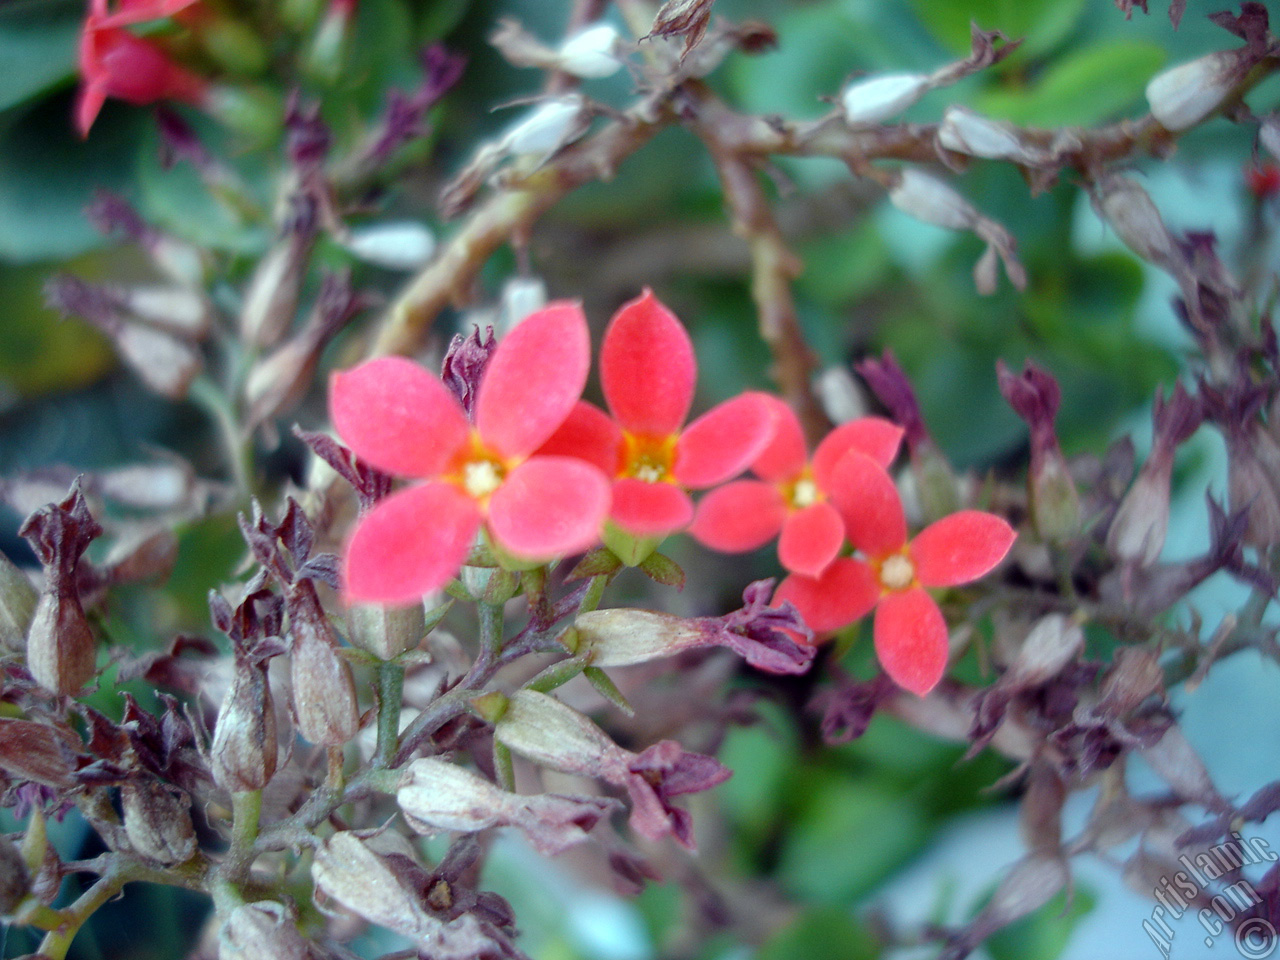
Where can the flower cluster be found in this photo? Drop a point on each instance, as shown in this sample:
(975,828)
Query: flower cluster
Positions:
(541,474)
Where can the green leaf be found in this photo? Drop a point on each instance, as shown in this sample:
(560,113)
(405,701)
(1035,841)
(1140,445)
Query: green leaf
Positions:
(1044,934)
(48,177)
(662,569)
(1042,23)
(823,932)
(847,836)
(1082,88)
(37,47)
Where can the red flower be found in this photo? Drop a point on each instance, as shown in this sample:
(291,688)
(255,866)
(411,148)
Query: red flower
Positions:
(648,372)
(401,419)
(791,495)
(115,63)
(910,633)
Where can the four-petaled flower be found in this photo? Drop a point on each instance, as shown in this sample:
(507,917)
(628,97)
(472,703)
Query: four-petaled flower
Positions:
(648,373)
(793,494)
(401,419)
(910,632)
(115,63)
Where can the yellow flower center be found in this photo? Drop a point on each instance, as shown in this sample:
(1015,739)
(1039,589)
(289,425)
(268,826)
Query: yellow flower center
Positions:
(897,572)
(478,471)
(804,493)
(648,458)
(481,477)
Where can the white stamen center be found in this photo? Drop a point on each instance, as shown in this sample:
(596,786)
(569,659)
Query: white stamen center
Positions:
(897,572)
(481,478)
(804,494)
(649,473)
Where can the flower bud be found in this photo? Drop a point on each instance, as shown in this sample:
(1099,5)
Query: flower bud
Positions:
(1052,643)
(878,98)
(1121,202)
(521,297)
(405,245)
(178,310)
(244,751)
(37,752)
(591,52)
(346,870)
(929,199)
(157,822)
(969,133)
(1035,396)
(541,728)
(262,931)
(839,395)
(548,127)
(61,651)
(151,486)
(324,693)
(1269,134)
(18,600)
(386,632)
(272,296)
(1182,96)
(436,795)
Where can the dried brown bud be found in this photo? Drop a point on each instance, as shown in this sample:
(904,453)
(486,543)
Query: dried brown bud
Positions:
(265,930)
(15,881)
(1052,643)
(324,693)
(18,600)
(348,871)
(38,752)
(244,751)
(436,795)
(157,822)
(1122,202)
(272,297)
(179,310)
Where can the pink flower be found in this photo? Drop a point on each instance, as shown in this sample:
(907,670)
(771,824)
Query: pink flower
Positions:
(791,495)
(910,633)
(115,63)
(648,372)
(401,419)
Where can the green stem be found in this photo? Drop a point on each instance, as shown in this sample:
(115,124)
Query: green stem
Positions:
(217,404)
(58,942)
(390,700)
(246,808)
(491,630)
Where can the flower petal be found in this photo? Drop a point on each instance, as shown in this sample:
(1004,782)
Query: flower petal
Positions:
(877,437)
(739,516)
(869,503)
(960,548)
(846,591)
(647,368)
(911,640)
(650,509)
(397,416)
(811,538)
(549,507)
(786,454)
(410,544)
(89,101)
(724,441)
(590,434)
(533,380)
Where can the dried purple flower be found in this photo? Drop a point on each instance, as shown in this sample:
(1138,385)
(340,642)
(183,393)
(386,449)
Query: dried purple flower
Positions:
(465,363)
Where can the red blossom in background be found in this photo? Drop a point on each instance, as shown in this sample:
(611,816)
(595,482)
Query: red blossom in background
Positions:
(910,632)
(115,63)
(648,373)
(402,419)
(792,495)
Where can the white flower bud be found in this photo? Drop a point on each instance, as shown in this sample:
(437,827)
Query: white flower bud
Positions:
(521,296)
(262,931)
(966,132)
(929,199)
(547,128)
(591,52)
(403,245)
(1184,95)
(177,309)
(839,395)
(541,728)
(1053,642)
(166,364)
(1269,135)
(619,637)
(1126,206)
(879,98)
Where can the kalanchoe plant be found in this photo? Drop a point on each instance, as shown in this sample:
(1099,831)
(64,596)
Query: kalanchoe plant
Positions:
(348,710)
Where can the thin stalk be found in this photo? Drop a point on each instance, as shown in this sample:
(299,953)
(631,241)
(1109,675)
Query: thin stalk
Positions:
(390,700)
(205,393)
